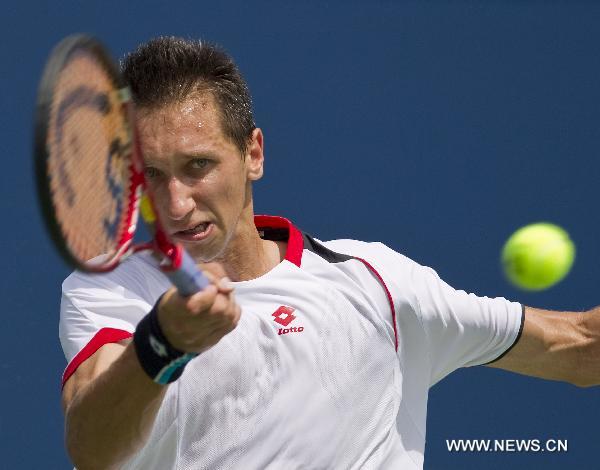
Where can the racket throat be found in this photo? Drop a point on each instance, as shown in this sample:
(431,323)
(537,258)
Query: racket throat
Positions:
(169,253)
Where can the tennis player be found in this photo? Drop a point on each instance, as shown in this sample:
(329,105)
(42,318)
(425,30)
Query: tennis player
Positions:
(306,353)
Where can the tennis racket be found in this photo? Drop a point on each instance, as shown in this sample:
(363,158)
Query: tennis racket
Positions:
(89,167)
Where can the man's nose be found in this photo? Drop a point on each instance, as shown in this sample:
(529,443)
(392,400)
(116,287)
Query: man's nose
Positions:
(181,202)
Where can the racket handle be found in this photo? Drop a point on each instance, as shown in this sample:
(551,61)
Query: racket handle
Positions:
(188,278)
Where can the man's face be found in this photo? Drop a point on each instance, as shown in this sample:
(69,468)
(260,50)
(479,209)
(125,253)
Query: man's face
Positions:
(199,180)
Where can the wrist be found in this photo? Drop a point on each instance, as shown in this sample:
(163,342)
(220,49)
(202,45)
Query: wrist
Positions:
(162,362)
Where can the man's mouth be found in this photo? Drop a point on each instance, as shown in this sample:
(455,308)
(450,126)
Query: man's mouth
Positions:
(195,233)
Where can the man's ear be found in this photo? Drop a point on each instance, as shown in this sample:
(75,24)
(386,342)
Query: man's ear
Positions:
(254,157)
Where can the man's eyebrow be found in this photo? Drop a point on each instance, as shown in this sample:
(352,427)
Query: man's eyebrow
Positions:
(197,153)
(149,161)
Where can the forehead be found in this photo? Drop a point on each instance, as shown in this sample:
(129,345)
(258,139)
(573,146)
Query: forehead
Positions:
(198,109)
(181,126)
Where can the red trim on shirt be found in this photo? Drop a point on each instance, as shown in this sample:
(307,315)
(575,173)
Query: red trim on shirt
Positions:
(295,244)
(102,337)
(387,292)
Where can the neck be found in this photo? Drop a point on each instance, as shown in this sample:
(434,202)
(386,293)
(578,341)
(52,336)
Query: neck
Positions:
(248,256)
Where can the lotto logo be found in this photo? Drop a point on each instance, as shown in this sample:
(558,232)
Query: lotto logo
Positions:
(284,315)
(293,329)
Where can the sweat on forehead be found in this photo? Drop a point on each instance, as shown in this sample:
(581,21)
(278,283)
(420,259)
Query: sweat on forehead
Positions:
(195,101)
(196,110)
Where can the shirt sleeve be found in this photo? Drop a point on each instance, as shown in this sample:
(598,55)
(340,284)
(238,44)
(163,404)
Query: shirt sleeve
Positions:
(97,309)
(440,328)
(462,329)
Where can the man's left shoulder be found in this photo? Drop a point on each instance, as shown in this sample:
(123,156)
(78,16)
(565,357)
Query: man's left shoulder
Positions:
(361,249)
(386,261)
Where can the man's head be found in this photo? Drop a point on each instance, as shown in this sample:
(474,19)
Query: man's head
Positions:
(201,148)
(166,70)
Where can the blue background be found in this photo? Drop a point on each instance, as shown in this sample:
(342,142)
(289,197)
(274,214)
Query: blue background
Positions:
(436,127)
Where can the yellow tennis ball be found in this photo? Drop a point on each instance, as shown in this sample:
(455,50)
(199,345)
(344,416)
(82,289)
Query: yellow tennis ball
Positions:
(538,256)
(146,210)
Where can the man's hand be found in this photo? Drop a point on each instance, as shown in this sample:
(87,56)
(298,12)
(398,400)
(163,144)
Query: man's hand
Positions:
(196,323)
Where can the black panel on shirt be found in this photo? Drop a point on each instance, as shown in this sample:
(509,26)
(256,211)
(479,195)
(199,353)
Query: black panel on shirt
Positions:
(282,234)
(328,255)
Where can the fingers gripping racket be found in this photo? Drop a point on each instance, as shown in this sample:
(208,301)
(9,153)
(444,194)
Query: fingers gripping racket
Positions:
(89,166)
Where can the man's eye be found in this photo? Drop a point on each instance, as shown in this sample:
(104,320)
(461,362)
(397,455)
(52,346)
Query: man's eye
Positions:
(198,163)
(150,172)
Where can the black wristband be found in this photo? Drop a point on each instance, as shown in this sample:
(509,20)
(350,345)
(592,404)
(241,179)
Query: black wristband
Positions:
(161,361)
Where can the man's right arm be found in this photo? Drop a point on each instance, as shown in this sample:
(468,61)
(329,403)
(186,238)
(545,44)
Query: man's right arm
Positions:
(110,402)
(110,405)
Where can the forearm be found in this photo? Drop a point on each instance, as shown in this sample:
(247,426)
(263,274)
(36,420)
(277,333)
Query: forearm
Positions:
(588,361)
(558,355)
(562,346)
(110,417)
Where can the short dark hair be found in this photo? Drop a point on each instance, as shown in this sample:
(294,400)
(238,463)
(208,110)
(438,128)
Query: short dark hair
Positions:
(169,69)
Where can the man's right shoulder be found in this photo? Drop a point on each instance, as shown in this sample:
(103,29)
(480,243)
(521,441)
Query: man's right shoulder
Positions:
(137,271)
(107,304)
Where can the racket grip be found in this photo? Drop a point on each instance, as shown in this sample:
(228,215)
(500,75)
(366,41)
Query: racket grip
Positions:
(188,277)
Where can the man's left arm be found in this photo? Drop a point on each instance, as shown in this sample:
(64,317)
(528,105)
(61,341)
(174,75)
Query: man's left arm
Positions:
(561,346)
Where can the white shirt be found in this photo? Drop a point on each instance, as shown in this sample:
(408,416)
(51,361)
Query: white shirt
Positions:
(329,366)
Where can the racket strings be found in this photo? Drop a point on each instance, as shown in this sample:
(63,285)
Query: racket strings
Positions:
(89,157)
